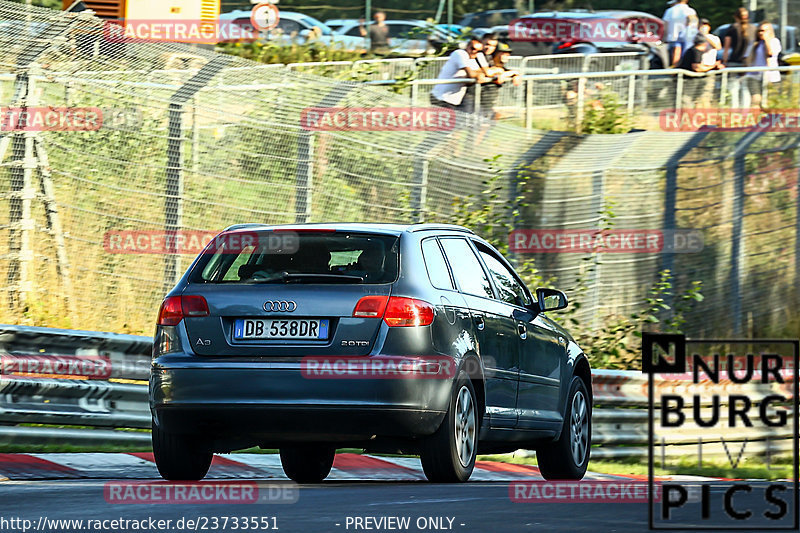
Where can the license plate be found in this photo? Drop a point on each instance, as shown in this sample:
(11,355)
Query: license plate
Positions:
(277,328)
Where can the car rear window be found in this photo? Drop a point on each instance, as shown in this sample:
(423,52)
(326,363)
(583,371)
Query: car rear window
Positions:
(299,257)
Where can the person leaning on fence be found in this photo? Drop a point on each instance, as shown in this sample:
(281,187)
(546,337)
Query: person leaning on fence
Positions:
(460,64)
(695,58)
(497,74)
(698,91)
(765,52)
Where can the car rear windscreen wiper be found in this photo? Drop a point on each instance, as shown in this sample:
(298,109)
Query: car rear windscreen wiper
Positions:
(287,277)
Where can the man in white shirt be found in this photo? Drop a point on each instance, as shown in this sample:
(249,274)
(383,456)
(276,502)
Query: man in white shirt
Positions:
(460,64)
(676,25)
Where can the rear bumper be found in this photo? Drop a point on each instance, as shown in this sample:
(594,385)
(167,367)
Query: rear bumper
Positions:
(274,402)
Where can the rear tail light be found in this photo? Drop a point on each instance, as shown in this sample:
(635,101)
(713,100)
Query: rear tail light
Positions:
(370,307)
(567,44)
(175,308)
(408,312)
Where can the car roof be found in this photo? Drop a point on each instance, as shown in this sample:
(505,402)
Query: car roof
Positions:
(394,229)
(615,13)
(290,15)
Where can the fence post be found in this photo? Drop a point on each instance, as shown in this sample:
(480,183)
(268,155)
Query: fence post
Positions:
(737,233)
(723,89)
(580,104)
(477,109)
(670,198)
(305,176)
(679,91)
(173,190)
(528,104)
(419,193)
(797,223)
(631,93)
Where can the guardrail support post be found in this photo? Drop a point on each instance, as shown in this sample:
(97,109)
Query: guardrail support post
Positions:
(679,91)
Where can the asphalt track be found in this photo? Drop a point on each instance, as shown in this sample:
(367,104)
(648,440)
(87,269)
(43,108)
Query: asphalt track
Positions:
(360,493)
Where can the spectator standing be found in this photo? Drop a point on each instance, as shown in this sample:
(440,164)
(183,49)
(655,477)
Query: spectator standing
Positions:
(766,50)
(460,64)
(676,21)
(710,57)
(736,45)
(738,39)
(378,34)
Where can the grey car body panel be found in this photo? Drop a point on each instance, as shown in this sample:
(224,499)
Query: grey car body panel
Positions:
(243,394)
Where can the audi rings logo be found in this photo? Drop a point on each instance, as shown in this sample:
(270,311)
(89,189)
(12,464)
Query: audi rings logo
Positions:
(274,306)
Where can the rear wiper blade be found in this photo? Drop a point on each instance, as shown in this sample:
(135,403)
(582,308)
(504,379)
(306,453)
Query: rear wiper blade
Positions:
(287,277)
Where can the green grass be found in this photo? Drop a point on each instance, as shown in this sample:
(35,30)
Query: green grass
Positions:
(70,448)
(749,468)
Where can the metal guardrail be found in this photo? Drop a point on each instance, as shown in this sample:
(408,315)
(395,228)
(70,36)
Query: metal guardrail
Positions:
(118,398)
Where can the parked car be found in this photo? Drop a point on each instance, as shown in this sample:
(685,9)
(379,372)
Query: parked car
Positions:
(408,37)
(530,48)
(242,337)
(488,19)
(295,28)
(336,24)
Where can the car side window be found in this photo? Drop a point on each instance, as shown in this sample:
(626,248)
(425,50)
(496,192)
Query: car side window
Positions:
(509,288)
(289,26)
(400,31)
(355,31)
(467,270)
(436,266)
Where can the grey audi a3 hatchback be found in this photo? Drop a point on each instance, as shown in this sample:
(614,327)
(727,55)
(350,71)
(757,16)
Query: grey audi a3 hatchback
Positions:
(417,339)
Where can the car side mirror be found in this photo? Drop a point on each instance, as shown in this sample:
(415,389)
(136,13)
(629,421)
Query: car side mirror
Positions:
(551,299)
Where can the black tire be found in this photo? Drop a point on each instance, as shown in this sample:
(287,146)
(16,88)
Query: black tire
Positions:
(180,457)
(559,459)
(443,459)
(307,463)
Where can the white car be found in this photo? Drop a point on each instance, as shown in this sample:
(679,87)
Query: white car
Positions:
(336,24)
(295,28)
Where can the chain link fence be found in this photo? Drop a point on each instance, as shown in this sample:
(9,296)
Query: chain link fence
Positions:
(195,141)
